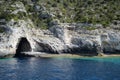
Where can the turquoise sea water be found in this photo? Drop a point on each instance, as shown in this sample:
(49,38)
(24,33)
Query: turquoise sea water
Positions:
(88,68)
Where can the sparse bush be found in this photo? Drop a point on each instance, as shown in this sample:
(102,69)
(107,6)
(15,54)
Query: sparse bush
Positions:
(85,11)
(54,5)
(2,30)
(104,9)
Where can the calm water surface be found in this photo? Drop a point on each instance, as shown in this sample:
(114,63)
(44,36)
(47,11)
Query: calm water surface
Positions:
(60,69)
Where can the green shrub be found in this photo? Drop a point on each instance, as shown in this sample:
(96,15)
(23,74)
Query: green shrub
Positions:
(2,30)
(54,5)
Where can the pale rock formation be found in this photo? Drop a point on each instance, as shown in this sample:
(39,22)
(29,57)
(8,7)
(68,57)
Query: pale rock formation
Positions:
(60,38)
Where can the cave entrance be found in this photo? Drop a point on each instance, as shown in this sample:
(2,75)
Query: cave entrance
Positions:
(23,46)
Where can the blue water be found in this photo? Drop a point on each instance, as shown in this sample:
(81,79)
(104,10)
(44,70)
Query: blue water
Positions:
(60,69)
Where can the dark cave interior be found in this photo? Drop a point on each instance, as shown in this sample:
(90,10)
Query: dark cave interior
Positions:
(23,46)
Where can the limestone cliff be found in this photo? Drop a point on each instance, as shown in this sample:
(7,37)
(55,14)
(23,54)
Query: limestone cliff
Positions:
(61,38)
(19,35)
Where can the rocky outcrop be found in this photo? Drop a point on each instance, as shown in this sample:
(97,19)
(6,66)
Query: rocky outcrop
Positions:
(39,40)
(61,38)
(77,39)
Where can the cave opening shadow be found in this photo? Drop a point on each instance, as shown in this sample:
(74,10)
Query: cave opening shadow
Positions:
(23,46)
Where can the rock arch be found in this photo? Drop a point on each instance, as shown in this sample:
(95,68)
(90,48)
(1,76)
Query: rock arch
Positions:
(22,46)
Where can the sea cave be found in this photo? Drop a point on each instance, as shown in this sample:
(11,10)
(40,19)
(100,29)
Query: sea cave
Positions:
(23,46)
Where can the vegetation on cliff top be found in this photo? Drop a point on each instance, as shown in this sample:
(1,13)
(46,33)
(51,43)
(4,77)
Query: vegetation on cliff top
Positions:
(97,11)
(43,12)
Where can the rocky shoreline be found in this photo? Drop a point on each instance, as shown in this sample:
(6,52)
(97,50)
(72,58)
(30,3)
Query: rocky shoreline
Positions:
(43,55)
(60,38)
(20,34)
(20,31)
(77,56)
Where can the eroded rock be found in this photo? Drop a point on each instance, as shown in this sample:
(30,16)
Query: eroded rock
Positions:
(61,38)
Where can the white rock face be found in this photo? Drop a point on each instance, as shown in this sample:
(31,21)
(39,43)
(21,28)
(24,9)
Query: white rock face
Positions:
(98,41)
(38,39)
(62,38)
